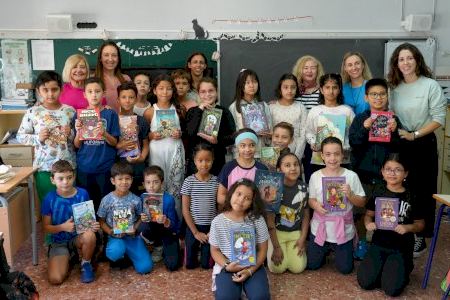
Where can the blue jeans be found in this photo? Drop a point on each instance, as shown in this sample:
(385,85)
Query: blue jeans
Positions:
(343,255)
(134,248)
(192,246)
(255,287)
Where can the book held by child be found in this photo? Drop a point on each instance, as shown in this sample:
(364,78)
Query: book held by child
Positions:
(166,121)
(153,205)
(269,156)
(122,220)
(386,213)
(254,117)
(210,121)
(243,246)
(89,119)
(129,132)
(83,216)
(270,186)
(334,199)
(379,131)
(330,125)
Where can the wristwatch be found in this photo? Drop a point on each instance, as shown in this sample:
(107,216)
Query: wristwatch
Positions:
(416,134)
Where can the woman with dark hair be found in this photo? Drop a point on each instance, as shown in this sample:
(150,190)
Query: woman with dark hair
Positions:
(109,71)
(197,66)
(419,103)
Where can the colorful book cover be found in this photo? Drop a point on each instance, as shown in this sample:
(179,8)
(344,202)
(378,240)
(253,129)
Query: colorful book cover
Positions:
(166,122)
(57,135)
(379,131)
(129,132)
(243,244)
(269,156)
(153,205)
(334,199)
(210,122)
(83,216)
(386,213)
(123,220)
(270,186)
(89,119)
(330,125)
(254,117)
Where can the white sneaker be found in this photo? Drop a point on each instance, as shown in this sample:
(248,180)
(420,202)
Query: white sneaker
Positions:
(157,254)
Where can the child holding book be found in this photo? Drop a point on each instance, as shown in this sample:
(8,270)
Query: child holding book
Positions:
(282,137)
(243,210)
(183,83)
(119,214)
(243,166)
(46,127)
(288,228)
(194,127)
(96,157)
(167,151)
(58,221)
(248,92)
(389,260)
(162,233)
(333,230)
(367,156)
(286,109)
(133,143)
(199,206)
(335,119)
(142,82)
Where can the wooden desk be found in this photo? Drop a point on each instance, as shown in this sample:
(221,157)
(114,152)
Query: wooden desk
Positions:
(22,174)
(443,199)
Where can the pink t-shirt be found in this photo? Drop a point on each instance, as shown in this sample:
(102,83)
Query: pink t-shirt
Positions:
(74,97)
(111,91)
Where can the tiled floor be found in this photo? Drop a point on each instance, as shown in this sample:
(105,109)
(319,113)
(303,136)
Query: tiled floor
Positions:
(195,284)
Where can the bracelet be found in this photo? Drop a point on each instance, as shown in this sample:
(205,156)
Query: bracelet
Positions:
(250,272)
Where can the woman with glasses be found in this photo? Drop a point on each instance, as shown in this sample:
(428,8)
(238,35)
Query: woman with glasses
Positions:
(420,104)
(355,72)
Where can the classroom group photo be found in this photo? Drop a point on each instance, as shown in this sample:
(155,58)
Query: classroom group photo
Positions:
(153,171)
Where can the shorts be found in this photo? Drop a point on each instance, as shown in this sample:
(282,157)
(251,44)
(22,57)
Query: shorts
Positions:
(68,248)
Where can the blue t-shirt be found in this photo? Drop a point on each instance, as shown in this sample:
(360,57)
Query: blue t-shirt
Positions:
(232,172)
(354,97)
(98,156)
(111,202)
(60,210)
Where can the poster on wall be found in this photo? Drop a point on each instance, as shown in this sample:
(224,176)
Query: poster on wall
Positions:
(43,55)
(16,69)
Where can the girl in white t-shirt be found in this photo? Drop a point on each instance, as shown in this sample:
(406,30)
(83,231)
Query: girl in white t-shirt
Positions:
(333,228)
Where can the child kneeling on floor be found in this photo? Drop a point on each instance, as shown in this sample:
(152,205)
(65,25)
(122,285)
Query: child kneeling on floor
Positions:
(58,222)
(121,202)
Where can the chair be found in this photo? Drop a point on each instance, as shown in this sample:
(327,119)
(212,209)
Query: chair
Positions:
(445,203)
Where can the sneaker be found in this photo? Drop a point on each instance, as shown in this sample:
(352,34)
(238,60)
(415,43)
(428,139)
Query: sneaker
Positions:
(87,273)
(157,254)
(420,246)
(361,250)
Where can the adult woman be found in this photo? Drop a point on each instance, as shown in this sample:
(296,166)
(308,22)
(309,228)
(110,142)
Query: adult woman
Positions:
(419,103)
(308,71)
(197,66)
(109,70)
(75,72)
(355,72)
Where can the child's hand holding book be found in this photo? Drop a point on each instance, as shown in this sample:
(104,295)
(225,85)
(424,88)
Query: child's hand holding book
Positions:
(209,138)
(44,134)
(176,134)
(371,226)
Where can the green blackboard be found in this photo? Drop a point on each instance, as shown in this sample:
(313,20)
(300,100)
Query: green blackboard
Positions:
(137,54)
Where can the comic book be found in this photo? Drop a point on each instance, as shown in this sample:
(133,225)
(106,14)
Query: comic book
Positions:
(334,199)
(83,216)
(153,205)
(129,132)
(210,122)
(386,213)
(166,122)
(254,117)
(243,243)
(123,217)
(89,119)
(57,135)
(270,186)
(328,125)
(379,131)
(269,156)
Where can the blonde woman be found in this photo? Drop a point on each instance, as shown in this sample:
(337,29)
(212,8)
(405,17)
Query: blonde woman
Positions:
(355,72)
(308,70)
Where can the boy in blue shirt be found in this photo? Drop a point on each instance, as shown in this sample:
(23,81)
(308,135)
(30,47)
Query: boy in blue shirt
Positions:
(118,203)
(164,230)
(96,157)
(58,222)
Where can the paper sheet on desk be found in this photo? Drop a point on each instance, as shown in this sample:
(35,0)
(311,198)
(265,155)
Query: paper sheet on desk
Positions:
(43,55)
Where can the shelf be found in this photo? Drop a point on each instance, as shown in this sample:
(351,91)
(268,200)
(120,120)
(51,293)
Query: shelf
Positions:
(12,112)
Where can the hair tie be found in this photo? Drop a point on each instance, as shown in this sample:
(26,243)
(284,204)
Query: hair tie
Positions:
(242,70)
(245,135)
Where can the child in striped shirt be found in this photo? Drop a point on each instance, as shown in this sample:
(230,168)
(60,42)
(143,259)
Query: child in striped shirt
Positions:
(199,207)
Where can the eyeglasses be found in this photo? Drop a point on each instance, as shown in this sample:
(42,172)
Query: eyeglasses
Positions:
(396,171)
(377,95)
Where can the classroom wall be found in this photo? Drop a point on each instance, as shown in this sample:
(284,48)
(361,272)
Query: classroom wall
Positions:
(168,19)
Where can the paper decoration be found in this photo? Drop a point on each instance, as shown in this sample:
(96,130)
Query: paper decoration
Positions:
(260,36)
(144,50)
(262,20)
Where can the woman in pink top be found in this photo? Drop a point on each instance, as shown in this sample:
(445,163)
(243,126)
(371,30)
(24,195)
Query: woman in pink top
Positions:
(109,70)
(75,72)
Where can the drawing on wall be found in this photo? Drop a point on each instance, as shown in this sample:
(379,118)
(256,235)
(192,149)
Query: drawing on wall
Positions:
(259,36)
(143,50)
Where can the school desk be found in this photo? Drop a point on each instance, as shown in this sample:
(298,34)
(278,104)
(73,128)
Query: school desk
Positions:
(445,203)
(16,212)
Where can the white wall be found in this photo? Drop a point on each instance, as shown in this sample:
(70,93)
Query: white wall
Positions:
(165,19)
